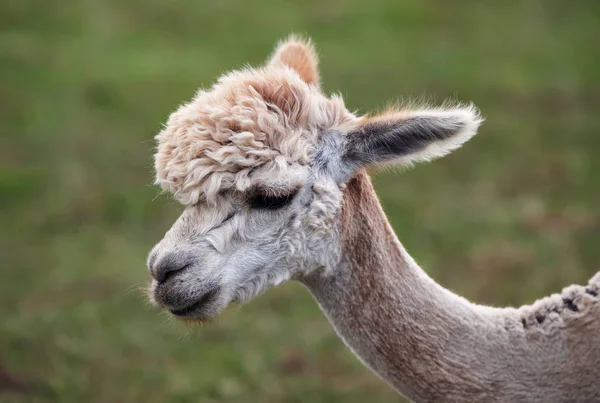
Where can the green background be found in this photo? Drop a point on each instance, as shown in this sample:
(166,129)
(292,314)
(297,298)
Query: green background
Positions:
(85,85)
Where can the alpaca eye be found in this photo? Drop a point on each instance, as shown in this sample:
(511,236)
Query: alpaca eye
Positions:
(270,202)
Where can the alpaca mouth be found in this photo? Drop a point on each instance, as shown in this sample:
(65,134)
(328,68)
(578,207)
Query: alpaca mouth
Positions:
(196,308)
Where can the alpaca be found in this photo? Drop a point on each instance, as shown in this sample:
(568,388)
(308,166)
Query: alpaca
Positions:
(272,174)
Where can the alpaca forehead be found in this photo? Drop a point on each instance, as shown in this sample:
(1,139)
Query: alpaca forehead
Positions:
(253,125)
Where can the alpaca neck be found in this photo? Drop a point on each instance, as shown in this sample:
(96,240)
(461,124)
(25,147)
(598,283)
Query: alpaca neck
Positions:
(429,343)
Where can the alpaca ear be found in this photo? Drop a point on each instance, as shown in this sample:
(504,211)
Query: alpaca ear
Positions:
(407,137)
(300,55)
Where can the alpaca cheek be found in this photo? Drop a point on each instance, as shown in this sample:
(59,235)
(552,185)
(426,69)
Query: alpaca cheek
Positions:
(325,207)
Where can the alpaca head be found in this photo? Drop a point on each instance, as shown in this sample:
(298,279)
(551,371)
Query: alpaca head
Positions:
(259,162)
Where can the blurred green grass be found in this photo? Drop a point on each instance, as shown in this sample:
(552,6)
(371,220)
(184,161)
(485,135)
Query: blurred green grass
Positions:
(84,86)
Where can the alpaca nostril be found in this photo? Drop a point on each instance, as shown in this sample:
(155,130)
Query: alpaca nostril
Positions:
(168,265)
(170,273)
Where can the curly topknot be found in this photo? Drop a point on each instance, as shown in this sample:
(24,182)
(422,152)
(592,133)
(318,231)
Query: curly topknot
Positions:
(265,118)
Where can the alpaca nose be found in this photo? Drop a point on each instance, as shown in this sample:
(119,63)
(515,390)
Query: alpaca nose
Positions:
(162,266)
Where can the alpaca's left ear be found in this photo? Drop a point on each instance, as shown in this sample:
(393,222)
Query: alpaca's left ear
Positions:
(299,54)
(406,137)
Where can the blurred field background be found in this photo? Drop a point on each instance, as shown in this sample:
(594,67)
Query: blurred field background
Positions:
(85,85)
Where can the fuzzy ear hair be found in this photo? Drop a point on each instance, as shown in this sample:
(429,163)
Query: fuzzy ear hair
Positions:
(299,54)
(407,137)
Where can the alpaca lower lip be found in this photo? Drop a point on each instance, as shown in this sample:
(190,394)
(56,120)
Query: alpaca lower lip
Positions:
(187,311)
(195,308)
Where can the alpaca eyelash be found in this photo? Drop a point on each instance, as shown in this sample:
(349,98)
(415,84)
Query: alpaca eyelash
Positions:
(271,202)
